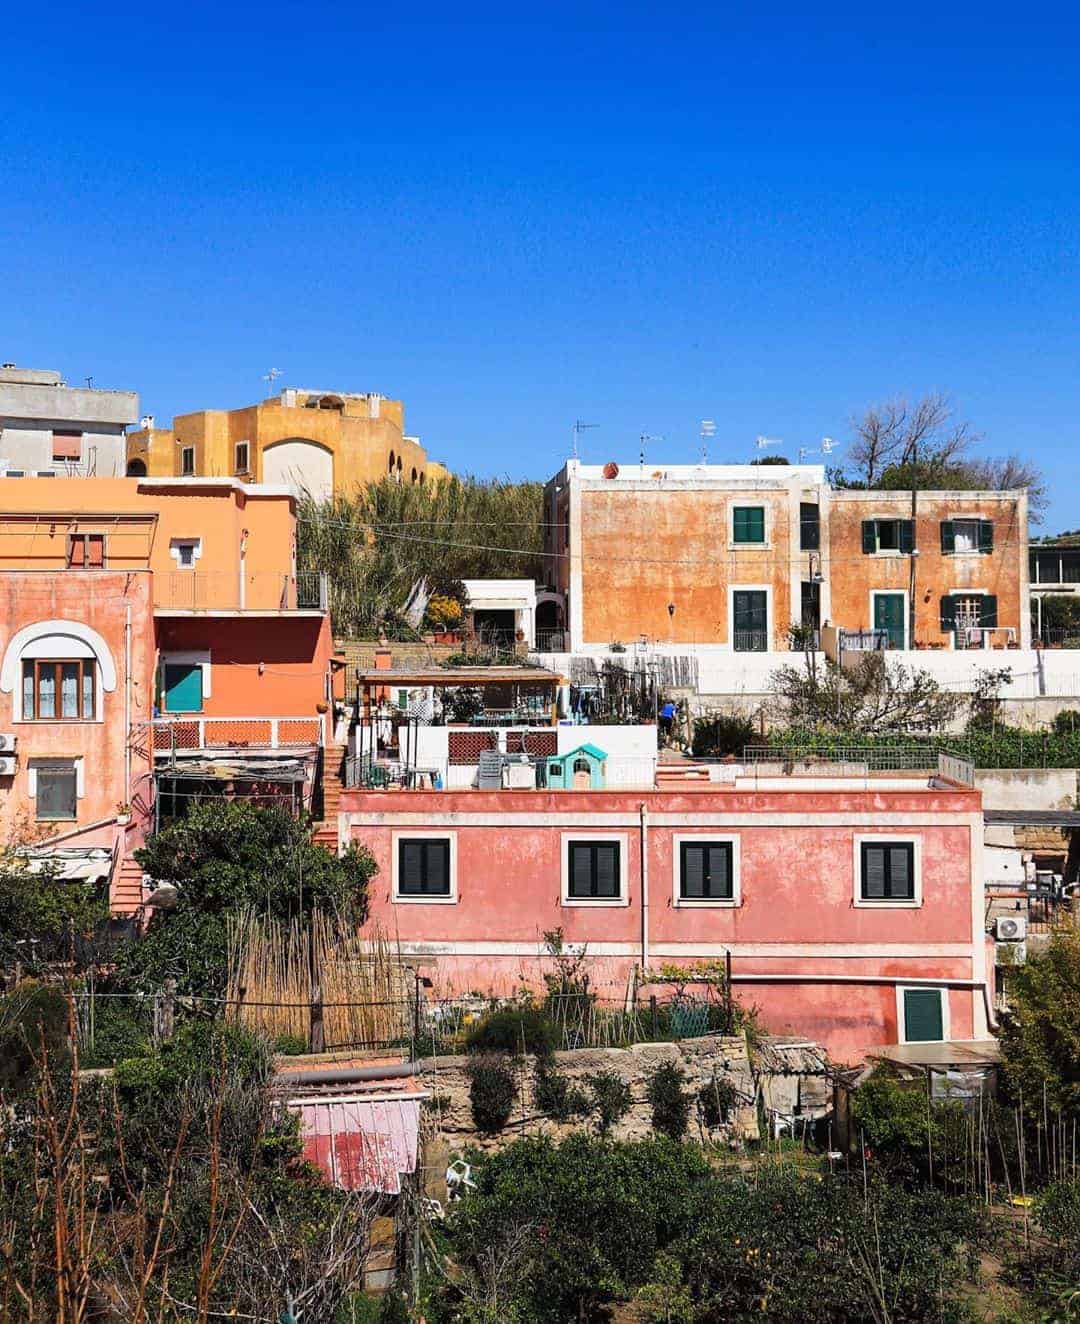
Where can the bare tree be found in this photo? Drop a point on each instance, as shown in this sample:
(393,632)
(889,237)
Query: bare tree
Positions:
(875,694)
(900,431)
(1007,473)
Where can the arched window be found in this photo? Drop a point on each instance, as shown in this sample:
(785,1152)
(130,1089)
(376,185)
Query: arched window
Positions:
(390,467)
(582,765)
(59,672)
(136,468)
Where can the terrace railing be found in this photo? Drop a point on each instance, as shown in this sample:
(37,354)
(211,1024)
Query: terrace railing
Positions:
(195,733)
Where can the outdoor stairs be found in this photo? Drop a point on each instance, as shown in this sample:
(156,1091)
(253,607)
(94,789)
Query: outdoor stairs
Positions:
(674,771)
(326,830)
(126,893)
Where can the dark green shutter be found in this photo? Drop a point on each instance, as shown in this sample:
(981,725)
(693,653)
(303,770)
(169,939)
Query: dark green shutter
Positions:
(719,879)
(693,872)
(948,613)
(869,536)
(607,870)
(988,611)
(809,526)
(873,873)
(986,536)
(749,524)
(922,1015)
(410,867)
(907,535)
(437,882)
(901,883)
(948,537)
(580,869)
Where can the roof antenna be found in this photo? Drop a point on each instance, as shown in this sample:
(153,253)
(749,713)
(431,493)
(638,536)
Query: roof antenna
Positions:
(579,427)
(762,442)
(269,377)
(644,439)
(708,430)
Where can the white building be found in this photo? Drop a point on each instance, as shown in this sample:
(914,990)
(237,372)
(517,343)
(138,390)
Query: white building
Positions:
(47,427)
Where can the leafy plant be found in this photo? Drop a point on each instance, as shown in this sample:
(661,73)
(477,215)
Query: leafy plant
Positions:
(611,1099)
(671,1103)
(720,734)
(34,1021)
(556,1096)
(522,1029)
(716,1101)
(492,1091)
(1040,1032)
(41,913)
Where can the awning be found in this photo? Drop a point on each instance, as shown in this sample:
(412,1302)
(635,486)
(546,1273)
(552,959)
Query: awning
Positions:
(71,863)
(950,1053)
(230,768)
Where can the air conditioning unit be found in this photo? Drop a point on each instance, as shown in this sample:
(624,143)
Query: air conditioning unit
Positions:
(1011,928)
(7,765)
(7,741)
(519,776)
(1010,953)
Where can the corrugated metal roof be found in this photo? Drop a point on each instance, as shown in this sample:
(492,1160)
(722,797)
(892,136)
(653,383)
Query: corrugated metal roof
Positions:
(361,1144)
(1034,817)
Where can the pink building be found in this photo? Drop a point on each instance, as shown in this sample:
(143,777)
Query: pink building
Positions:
(851,906)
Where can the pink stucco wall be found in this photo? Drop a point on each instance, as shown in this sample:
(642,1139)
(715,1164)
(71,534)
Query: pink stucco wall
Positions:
(797,913)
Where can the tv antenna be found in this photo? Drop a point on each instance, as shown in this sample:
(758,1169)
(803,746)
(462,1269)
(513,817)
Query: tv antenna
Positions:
(576,430)
(271,376)
(644,440)
(707,431)
(826,448)
(763,442)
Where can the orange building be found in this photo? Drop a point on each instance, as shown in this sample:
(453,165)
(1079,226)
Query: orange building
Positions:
(732,556)
(322,442)
(159,646)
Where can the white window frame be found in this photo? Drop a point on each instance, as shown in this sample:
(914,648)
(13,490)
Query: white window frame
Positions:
(36,762)
(750,588)
(766,509)
(968,519)
(720,838)
(419,834)
(901,1020)
(622,840)
(877,838)
(194,657)
(893,592)
(183,451)
(175,545)
(887,552)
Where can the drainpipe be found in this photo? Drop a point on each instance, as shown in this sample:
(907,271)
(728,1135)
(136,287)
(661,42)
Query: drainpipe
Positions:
(243,577)
(644,838)
(127,704)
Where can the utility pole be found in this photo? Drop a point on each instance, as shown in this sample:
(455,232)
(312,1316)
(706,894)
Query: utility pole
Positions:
(913,461)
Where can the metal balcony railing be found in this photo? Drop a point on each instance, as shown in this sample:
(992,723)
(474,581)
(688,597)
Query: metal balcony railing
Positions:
(864,641)
(192,733)
(751,641)
(222,590)
(551,641)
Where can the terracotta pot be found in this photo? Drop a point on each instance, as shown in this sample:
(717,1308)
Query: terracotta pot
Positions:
(322,707)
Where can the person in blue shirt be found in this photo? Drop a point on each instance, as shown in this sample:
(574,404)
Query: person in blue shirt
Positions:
(667,717)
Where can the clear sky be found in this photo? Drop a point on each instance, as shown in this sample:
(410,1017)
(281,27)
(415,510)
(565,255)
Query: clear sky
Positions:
(512,216)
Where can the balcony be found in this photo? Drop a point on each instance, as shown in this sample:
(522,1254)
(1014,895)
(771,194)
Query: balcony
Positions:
(191,734)
(223,593)
(1055,567)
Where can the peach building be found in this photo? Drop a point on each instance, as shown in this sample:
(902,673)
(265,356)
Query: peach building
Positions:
(322,442)
(851,907)
(729,557)
(159,645)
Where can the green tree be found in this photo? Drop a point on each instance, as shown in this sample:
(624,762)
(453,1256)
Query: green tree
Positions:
(1040,1032)
(40,913)
(228,856)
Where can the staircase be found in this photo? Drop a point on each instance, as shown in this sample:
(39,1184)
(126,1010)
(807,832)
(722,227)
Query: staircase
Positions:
(126,892)
(326,830)
(674,771)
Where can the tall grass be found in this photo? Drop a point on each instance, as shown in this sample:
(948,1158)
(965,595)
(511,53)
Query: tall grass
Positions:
(375,545)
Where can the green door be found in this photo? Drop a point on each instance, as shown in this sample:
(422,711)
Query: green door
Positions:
(922,1015)
(183,687)
(889,616)
(750,608)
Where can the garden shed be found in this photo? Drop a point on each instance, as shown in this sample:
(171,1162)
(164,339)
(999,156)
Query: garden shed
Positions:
(582,769)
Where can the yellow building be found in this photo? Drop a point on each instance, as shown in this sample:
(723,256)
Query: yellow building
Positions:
(322,442)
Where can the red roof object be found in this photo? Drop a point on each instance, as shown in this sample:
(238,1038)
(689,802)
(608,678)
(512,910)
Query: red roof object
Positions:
(361,1142)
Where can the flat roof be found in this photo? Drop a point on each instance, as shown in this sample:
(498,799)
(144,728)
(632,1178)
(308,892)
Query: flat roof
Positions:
(950,1053)
(1062,818)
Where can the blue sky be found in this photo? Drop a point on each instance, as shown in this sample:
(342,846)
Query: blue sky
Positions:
(512,217)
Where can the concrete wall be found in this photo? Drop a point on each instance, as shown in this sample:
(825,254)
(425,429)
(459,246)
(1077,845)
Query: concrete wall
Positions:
(1028,788)
(795,913)
(29,447)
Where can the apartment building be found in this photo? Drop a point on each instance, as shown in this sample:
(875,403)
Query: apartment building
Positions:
(50,429)
(729,557)
(160,646)
(322,442)
(851,906)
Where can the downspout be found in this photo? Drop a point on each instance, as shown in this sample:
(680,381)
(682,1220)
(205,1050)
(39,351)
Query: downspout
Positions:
(644,840)
(243,577)
(127,704)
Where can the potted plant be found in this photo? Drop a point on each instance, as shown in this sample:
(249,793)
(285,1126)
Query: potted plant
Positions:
(322,706)
(123,813)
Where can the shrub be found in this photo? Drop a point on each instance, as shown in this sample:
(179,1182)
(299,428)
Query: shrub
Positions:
(556,1096)
(1057,1211)
(901,1130)
(1067,722)
(670,1102)
(611,1099)
(290,1045)
(491,1093)
(716,1101)
(722,733)
(513,1030)
(33,1017)
(120,1030)
(1040,1048)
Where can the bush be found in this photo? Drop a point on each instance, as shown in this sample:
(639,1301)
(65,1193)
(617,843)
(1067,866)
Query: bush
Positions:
(291,1045)
(1040,1048)
(716,1101)
(1067,722)
(723,733)
(557,1097)
(120,1029)
(611,1099)
(513,1030)
(33,1018)
(670,1102)
(902,1130)
(1057,1211)
(491,1093)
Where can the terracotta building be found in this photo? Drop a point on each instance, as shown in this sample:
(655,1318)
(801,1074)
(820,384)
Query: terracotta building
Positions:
(159,646)
(851,907)
(323,442)
(729,557)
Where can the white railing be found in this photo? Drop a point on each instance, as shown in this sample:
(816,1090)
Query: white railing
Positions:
(221,590)
(189,734)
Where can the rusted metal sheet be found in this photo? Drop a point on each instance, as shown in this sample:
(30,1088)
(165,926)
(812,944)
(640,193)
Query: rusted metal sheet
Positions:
(361,1144)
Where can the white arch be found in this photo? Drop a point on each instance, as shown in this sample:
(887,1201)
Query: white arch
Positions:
(9,671)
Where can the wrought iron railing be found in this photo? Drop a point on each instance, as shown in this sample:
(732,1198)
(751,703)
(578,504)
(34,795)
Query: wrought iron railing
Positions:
(751,641)
(193,733)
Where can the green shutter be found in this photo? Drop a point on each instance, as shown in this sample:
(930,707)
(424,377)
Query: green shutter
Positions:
(948,613)
(749,524)
(907,535)
(988,611)
(986,536)
(923,1021)
(869,536)
(948,537)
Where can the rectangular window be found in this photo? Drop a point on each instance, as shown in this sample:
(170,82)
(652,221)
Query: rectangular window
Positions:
(243,454)
(888,871)
(58,691)
(424,867)
(924,1015)
(706,871)
(183,686)
(750,610)
(593,870)
(56,790)
(66,446)
(187,461)
(809,526)
(186,552)
(748,524)
(86,551)
(967,537)
(888,535)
